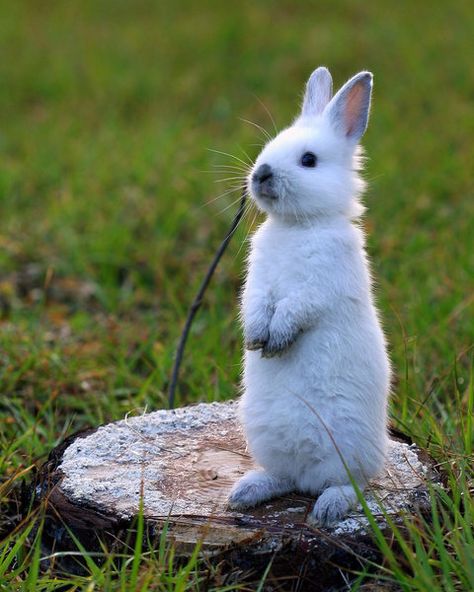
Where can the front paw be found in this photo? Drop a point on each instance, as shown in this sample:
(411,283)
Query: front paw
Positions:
(256,338)
(277,345)
(254,345)
(281,338)
(283,331)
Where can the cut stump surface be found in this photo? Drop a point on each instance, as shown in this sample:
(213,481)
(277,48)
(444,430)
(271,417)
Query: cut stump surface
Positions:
(183,464)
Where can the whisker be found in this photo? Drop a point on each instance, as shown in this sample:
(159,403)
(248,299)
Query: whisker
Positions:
(230,156)
(259,127)
(268,113)
(245,153)
(248,207)
(245,212)
(229,179)
(225,170)
(295,211)
(230,166)
(231,172)
(229,206)
(251,205)
(221,195)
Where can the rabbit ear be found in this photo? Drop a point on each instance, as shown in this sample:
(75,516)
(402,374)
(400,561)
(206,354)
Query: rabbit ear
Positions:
(318,92)
(348,111)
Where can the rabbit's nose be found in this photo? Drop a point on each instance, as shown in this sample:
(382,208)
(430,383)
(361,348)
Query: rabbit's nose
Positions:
(263,173)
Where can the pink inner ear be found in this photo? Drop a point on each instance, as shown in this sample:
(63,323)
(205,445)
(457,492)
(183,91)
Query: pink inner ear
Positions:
(354,105)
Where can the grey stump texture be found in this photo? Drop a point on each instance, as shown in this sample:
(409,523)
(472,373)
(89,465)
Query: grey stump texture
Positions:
(182,463)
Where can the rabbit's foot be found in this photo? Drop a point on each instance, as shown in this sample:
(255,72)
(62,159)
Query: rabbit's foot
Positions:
(256,487)
(332,505)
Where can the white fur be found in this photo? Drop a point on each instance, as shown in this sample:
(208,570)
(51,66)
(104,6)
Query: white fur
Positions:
(316,376)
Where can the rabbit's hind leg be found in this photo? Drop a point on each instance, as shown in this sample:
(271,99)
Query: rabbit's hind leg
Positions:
(257,486)
(333,505)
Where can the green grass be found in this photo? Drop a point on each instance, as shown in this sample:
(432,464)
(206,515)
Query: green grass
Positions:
(109,113)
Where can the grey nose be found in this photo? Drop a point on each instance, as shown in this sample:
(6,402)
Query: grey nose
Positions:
(263,173)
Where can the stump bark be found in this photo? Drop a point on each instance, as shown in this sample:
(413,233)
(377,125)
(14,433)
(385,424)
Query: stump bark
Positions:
(182,464)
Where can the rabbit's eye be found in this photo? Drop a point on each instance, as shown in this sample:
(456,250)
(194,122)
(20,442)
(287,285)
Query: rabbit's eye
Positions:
(309,160)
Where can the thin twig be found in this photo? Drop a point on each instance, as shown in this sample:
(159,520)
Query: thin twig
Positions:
(198,299)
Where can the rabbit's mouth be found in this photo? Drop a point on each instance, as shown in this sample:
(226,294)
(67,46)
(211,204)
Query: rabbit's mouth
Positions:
(262,183)
(266,193)
(266,196)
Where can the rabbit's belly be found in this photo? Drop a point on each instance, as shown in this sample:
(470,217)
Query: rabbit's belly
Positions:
(286,415)
(298,409)
(305,440)
(284,443)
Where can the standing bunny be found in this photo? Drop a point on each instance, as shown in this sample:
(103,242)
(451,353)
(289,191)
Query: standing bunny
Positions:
(317,374)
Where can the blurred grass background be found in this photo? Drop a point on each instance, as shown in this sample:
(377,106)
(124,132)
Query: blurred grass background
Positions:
(110,112)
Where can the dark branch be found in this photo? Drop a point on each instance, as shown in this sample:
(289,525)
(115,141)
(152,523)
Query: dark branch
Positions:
(198,299)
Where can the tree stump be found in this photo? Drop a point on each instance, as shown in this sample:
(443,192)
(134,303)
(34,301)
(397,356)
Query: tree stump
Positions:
(182,464)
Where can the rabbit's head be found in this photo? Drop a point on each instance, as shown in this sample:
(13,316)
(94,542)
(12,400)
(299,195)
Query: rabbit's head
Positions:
(310,169)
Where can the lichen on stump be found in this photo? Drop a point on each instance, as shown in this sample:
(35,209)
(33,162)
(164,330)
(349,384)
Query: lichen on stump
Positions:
(183,462)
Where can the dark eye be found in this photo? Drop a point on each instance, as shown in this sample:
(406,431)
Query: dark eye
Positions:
(309,159)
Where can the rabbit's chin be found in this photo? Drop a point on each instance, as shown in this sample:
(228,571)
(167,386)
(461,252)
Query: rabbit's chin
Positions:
(267,203)
(282,207)
(290,210)
(276,200)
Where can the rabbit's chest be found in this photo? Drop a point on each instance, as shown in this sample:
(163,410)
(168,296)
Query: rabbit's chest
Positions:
(282,265)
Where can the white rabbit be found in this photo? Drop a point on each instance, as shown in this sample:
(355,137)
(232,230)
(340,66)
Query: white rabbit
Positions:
(317,374)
